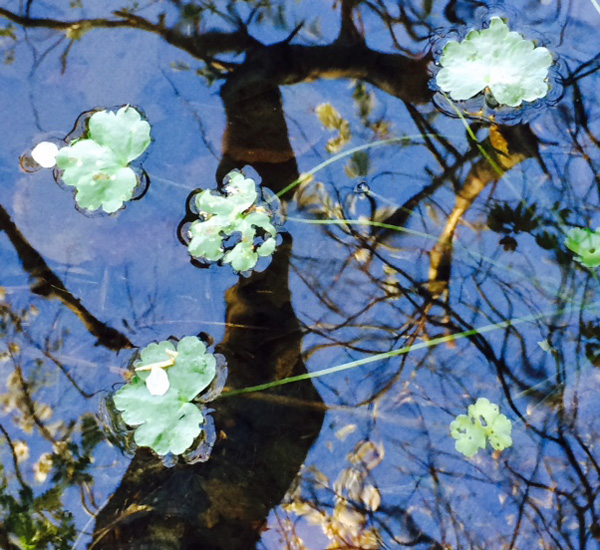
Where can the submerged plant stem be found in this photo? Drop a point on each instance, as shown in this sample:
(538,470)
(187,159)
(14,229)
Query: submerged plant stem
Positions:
(400,351)
(347,153)
(362,222)
(472,135)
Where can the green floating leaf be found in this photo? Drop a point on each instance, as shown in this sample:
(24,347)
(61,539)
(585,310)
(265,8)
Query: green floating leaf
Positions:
(483,422)
(98,166)
(206,240)
(167,422)
(96,173)
(222,216)
(469,436)
(267,248)
(241,257)
(123,132)
(512,68)
(586,244)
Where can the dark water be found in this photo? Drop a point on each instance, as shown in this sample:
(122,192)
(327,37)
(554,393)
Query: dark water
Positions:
(361,458)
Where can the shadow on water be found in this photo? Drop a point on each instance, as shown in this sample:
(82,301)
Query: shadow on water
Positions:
(424,242)
(224,503)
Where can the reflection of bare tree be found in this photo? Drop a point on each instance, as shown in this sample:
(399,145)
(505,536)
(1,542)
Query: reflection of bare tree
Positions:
(547,486)
(45,283)
(40,441)
(224,502)
(347,57)
(480,176)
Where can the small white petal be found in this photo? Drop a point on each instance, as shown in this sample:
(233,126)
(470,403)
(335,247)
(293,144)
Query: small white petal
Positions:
(158,381)
(44,154)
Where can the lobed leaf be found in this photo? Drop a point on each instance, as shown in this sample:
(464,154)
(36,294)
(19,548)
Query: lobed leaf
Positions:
(242,256)
(97,174)
(483,422)
(124,132)
(172,428)
(168,422)
(469,436)
(512,68)
(222,216)
(98,165)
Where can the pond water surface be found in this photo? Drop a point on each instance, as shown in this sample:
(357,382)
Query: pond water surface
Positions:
(444,243)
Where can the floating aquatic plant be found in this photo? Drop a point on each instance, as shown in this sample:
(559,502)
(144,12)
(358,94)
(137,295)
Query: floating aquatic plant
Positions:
(158,400)
(225,215)
(98,165)
(483,422)
(585,244)
(498,60)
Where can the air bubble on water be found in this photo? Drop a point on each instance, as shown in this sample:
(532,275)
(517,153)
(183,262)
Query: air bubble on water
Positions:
(362,188)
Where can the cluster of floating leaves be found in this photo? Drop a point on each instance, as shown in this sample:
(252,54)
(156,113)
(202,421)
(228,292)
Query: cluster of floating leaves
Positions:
(235,213)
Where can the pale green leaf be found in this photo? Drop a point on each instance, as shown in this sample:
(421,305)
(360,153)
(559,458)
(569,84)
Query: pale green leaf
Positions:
(469,436)
(261,220)
(498,433)
(167,422)
(241,191)
(100,179)
(496,426)
(207,203)
(154,353)
(233,214)
(267,248)
(108,189)
(585,244)
(206,240)
(512,68)
(172,428)
(84,159)
(98,166)
(194,368)
(242,256)
(484,422)
(124,132)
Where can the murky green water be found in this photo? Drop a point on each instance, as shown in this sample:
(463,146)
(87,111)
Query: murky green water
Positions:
(418,237)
